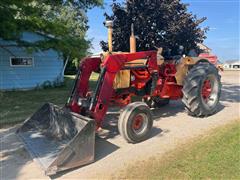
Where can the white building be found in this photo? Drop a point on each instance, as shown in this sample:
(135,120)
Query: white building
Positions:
(232,65)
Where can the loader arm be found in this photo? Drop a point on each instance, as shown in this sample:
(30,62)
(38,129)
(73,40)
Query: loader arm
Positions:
(112,64)
(81,85)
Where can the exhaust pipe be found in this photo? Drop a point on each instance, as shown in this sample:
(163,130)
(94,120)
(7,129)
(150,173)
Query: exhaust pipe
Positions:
(132,40)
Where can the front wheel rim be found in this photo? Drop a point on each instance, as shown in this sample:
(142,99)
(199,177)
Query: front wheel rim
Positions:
(139,123)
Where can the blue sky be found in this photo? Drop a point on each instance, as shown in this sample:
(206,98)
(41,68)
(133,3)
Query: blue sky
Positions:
(223,20)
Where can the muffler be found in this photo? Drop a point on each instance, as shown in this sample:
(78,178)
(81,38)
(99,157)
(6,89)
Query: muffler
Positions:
(58,139)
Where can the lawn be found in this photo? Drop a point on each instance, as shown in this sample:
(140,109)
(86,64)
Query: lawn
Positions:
(16,106)
(214,156)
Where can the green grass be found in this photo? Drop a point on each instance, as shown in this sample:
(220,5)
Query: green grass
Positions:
(16,106)
(215,156)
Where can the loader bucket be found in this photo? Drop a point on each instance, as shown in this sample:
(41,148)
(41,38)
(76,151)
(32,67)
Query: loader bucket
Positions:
(58,139)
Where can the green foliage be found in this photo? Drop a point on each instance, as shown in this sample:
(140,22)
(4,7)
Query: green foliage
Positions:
(157,23)
(63,23)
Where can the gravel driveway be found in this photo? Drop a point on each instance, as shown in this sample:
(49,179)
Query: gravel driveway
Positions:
(172,127)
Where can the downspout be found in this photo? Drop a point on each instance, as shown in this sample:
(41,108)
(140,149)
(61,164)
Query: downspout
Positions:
(65,65)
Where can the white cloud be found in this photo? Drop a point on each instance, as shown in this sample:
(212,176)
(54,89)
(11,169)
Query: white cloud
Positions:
(212,28)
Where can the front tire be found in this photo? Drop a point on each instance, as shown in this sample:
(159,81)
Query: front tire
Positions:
(202,89)
(135,122)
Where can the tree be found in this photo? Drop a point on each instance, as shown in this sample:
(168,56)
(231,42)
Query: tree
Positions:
(157,23)
(63,23)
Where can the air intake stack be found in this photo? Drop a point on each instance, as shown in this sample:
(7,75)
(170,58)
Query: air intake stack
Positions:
(109,25)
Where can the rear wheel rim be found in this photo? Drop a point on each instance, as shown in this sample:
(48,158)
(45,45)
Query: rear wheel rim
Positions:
(139,123)
(209,90)
(206,90)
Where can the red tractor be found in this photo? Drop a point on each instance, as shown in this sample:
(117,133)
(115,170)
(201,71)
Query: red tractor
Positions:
(62,138)
(212,59)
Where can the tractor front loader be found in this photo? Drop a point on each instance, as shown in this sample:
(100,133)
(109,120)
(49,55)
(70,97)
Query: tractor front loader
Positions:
(63,138)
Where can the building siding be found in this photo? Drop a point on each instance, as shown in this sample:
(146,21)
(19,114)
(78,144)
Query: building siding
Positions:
(47,66)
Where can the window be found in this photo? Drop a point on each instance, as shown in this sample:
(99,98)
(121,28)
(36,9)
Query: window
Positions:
(21,61)
(236,66)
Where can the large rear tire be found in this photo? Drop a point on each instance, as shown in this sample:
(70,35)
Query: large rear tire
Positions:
(135,122)
(202,89)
